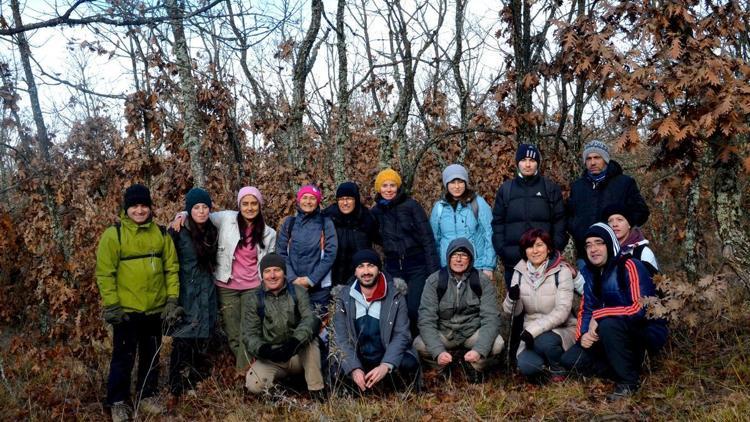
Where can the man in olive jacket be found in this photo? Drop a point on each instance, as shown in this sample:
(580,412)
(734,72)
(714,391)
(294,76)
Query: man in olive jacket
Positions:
(137,271)
(371,326)
(281,331)
(459,312)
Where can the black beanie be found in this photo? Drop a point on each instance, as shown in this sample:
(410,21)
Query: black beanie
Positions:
(136,194)
(272,260)
(617,208)
(528,151)
(196,196)
(348,189)
(366,255)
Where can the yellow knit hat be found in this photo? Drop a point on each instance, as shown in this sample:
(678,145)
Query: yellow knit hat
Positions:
(386,175)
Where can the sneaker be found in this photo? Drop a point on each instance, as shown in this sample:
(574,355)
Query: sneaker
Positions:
(120,412)
(622,391)
(151,406)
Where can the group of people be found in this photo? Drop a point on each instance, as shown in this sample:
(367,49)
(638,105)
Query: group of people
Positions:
(316,298)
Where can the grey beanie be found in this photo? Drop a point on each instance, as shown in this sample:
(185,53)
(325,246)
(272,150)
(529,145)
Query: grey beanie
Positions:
(455,171)
(597,147)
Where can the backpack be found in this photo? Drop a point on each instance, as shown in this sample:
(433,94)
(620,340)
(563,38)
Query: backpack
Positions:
(474,283)
(118,225)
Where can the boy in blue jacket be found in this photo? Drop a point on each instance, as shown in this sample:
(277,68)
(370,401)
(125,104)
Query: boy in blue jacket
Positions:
(613,332)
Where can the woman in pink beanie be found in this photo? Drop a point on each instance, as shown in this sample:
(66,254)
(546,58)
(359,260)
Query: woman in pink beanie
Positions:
(308,243)
(244,239)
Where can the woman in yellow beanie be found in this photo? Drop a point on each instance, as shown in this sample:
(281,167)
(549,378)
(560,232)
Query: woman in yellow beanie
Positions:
(406,236)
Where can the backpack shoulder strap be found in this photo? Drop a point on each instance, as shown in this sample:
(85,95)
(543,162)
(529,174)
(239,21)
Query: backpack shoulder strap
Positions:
(557,279)
(505,192)
(474,282)
(117,226)
(261,304)
(475,206)
(442,283)
(289,227)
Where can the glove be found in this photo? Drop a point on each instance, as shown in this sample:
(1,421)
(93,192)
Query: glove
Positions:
(514,292)
(527,338)
(114,314)
(267,352)
(172,312)
(290,347)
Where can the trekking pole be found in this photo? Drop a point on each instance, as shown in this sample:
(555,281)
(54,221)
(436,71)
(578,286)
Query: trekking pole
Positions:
(510,336)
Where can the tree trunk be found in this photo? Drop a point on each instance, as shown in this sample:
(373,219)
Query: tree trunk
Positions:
(45,146)
(463,96)
(342,130)
(301,69)
(191,136)
(730,218)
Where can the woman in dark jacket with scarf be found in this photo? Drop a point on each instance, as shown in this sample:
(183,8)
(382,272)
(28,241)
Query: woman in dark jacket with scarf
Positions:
(407,238)
(196,247)
(356,229)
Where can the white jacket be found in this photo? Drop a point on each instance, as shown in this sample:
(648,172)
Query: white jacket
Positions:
(229,236)
(548,306)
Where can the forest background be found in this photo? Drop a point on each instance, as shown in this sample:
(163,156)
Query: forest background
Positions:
(98,94)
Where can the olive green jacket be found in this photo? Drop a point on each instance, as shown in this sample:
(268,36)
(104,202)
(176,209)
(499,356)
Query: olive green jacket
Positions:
(281,322)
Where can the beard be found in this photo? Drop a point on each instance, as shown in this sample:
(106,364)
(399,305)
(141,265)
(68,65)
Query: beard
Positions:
(372,281)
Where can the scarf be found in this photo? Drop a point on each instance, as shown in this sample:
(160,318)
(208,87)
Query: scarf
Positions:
(537,275)
(596,179)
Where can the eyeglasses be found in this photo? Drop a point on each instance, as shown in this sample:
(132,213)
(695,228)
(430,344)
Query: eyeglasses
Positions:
(345,199)
(462,255)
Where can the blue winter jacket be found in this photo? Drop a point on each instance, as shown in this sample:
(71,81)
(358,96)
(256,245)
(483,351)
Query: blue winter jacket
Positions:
(311,250)
(448,224)
(624,283)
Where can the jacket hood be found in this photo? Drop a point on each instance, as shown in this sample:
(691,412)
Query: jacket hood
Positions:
(460,243)
(605,233)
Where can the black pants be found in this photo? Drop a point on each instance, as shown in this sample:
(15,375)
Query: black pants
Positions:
(188,363)
(547,351)
(415,277)
(407,374)
(617,355)
(141,334)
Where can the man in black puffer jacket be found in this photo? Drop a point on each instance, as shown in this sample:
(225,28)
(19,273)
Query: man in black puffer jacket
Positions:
(602,184)
(529,201)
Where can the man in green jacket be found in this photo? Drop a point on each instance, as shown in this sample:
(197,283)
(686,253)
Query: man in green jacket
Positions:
(281,331)
(459,313)
(137,273)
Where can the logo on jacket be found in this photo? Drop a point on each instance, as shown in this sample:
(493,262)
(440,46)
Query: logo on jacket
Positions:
(538,194)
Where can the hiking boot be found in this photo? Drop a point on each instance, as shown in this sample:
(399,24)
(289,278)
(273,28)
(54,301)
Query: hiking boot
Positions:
(120,412)
(151,406)
(622,391)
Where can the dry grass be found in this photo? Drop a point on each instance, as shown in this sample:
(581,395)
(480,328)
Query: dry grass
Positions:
(703,375)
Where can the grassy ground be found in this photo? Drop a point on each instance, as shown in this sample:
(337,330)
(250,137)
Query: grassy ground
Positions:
(703,375)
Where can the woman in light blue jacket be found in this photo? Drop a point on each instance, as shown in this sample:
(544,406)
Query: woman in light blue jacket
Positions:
(463,213)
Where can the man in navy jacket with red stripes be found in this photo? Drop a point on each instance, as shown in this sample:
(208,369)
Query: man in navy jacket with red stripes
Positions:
(613,331)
